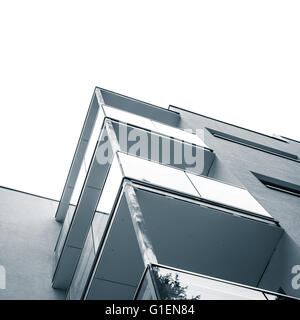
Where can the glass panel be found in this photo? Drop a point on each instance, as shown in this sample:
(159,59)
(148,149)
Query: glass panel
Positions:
(128,117)
(83,268)
(98,226)
(163,149)
(87,257)
(151,125)
(156,174)
(172,284)
(94,138)
(145,291)
(64,232)
(178,134)
(111,187)
(227,194)
(177,285)
(87,158)
(79,182)
(78,185)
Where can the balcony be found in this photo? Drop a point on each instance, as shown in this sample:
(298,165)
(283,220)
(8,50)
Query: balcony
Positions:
(115,129)
(165,283)
(156,221)
(129,207)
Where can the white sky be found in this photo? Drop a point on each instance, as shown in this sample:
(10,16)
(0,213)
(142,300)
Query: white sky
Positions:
(237,61)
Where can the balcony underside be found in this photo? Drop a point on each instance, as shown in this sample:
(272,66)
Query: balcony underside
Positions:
(184,235)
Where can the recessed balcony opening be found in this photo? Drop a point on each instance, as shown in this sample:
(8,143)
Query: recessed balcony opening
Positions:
(184,234)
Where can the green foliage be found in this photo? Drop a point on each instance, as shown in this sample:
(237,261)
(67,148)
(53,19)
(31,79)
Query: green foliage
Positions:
(170,288)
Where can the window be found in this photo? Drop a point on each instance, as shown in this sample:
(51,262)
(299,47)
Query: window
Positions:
(253,145)
(278,185)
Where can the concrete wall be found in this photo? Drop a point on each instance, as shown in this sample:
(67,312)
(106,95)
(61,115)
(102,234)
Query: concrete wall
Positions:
(28,233)
(235,163)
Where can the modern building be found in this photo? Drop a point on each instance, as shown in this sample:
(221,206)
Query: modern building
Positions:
(159,204)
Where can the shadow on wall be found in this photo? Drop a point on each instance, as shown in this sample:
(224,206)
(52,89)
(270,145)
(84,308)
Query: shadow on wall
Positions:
(283,272)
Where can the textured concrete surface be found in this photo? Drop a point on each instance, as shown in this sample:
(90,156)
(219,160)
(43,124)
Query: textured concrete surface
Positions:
(28,233)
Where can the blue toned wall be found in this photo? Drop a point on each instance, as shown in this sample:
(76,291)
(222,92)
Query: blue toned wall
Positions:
(28,233)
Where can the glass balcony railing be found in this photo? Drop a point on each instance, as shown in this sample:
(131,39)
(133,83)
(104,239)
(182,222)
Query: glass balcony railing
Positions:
(165,283)
(96,231)
(87,257)
(172,150)
(173,195)
(153,126)
(167,228)
(160,138)
(227,195)
(77,186)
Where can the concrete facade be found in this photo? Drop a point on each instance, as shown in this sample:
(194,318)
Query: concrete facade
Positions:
(120,220)
(28,233)
(242,161)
